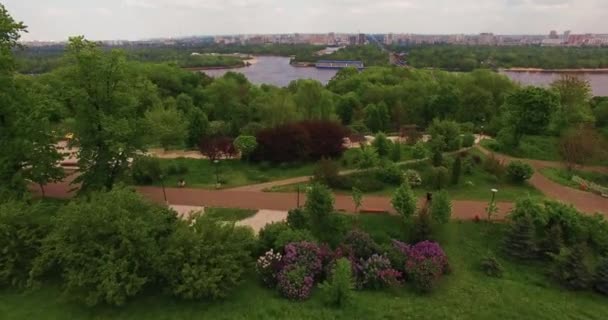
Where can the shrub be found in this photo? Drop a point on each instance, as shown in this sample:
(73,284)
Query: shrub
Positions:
(337,290)
(437,158)
(360,244)
(382,144)
(439,177)
(306,254)
(290,235)
(569,219)
(553,242)
(295,283)
(298,219)
(519,172)
(519,240)
(327,172)
(468,140)
(390,173)
(267,237)
(468,166)
(177,168)
(419,150)
(404,201)
(396,151)
(268,267)
(426,263)
(441,207)
(107,248)
(146,170)
(491,267)
(601,277)
(376,273)
(206,259)
(570,269)
(494,166)
(245,145)
(413,178)
(367,157)
(22,229)
(456,171)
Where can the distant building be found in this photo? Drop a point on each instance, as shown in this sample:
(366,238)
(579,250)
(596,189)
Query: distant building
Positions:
(553,35)
(338,64)
(361,39)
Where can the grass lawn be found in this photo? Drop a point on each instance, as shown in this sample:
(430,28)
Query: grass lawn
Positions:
(229,214)
(523,293)
(564,177)
(232,173)
(531,147)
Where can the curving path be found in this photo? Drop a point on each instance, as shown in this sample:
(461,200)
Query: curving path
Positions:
(582,200)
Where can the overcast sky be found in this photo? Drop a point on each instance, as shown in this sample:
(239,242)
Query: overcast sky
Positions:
(140,19)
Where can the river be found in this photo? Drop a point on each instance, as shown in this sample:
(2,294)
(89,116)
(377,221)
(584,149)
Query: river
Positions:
(277,71)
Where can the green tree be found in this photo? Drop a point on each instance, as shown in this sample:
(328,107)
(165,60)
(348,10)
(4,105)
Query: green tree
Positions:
(245,145)
(367,158)
(108,109)
(26,139)
(396,152)
(382,144)
(338,289)
(167,126)
(197,127)
(445,133)
(519,240)
(377,117)
(357,198)
(347,107)
(319,206)
(570,268)
(404,201)
(107,248)
(528,111)
(574,109)
(441,207)
(312,99)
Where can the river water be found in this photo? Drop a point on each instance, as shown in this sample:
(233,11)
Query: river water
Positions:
(277,71)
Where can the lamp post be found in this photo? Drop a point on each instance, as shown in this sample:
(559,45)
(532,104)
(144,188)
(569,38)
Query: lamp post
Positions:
(494,191)
(162,183)
(492,208)
(217,173)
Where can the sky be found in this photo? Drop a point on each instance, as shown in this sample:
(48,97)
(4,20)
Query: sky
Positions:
(143,19)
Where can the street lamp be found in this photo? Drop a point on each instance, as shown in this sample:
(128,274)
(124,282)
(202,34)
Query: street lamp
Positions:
(494,191)
(162,183)
(217,173)
(492,208)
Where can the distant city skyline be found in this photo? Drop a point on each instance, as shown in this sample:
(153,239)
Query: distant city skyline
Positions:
(146,19)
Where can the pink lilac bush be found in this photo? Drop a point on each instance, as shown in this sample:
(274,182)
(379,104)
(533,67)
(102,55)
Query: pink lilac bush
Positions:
(268,266)
(425,264)
(306,254)
(376,273)
(295,283)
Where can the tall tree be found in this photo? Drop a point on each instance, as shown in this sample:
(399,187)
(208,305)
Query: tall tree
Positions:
(26,142)
(107,98)
(167,126)
(528,111)
(575,96)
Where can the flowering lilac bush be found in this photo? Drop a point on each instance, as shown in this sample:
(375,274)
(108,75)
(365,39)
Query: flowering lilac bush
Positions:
(426,263)
(360,244)
(268,266)
(305,254)
(376,273)
(295,282)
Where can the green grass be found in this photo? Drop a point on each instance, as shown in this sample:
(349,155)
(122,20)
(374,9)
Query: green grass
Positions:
(524,292)
(229,214)
(530,147)
(232,173)
(564,177)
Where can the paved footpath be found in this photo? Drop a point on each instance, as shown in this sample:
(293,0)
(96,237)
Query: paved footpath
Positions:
(582,200)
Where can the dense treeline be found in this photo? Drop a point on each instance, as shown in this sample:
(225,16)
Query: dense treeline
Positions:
(467,58)
(45,59)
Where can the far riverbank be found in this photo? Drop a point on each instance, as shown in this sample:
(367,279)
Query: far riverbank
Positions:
(599,70)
